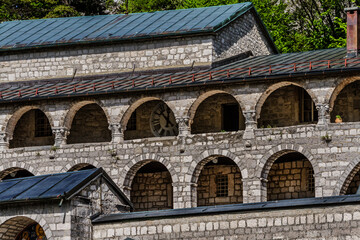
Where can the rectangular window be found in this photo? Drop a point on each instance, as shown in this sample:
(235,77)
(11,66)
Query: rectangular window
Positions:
(308,112)
(222,185)
(132,122)
(311,182)
(42,126)
(230,117)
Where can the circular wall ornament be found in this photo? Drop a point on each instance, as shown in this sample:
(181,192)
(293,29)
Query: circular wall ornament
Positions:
(162,121)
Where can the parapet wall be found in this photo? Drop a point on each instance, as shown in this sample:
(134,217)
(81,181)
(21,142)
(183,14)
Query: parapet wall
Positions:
(328,222)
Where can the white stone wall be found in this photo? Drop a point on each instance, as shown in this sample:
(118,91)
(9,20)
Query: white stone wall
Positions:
(331,222)
(242,35)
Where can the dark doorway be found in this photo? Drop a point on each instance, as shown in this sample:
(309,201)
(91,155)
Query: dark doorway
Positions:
(230,117)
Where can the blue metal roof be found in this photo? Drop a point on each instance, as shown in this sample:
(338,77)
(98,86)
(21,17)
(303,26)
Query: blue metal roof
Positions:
(52,186)
(87,29)
(252,68)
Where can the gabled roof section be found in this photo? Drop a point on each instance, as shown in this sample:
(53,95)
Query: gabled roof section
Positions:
(91,29)
(277,66)
(53,186)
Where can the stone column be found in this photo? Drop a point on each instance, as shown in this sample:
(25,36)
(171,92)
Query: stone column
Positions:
(254,190)
(250,124)
(60,134)
(4,141)
(182,195)
(117,132)
(184,127)
(323,114)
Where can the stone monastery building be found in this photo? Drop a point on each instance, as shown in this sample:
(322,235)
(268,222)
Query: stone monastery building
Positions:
(184,124)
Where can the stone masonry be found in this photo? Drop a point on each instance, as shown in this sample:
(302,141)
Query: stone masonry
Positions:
(149,55)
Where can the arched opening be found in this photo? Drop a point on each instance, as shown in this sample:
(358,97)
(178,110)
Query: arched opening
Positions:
(14,172)
(89,125)
(32,129)
(20,228)
(217,113)
(291,176)
(151,119)
(151,188)
(287,106)
(219,182)
(81,166)
(352,182)
(347,104)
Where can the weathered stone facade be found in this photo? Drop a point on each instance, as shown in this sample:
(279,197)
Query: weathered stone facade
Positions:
(144,55)
(332,222)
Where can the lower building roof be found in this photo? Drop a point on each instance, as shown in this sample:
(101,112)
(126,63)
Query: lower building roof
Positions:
(53,186)
(232,208)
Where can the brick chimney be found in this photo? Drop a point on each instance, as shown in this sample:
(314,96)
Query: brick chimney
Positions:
(353,31)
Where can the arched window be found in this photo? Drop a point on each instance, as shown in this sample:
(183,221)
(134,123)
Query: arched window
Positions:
(291,176)
(151,188)
(347,104)
(89,125)
(287,106)
(219,182)
(20,228)
(14,172)
(217,113)
(32,129)
(151,119)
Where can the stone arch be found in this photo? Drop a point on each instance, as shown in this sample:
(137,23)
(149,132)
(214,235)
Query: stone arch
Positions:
(80,166)
(18,165)
(80,162)
(6,172)
(197,165)
(129,171)
(275,87)
(194,106)
(18,113)
(338,88)
(12,226)
(125,118)
(273,154)
(347,176)
(74,108)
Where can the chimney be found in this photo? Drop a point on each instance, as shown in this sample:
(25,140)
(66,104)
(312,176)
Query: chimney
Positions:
(353,32)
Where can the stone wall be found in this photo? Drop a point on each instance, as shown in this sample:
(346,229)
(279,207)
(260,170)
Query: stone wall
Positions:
(145,55)
(89,125)
(241,36)
(152,191)
(94,199)
(24,133)
(325,222)
(207,186)
(290,180)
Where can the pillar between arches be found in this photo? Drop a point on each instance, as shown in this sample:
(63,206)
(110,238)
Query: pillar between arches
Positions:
(60,134)
(4,141)
(323,114)
(182,195)
(254,190)
(184,127)
(117,132)
(250,124)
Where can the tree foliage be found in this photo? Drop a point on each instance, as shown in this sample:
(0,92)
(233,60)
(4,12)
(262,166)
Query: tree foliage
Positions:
(33,9)
(295,25)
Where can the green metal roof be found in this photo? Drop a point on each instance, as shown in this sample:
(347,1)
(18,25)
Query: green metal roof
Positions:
(89,29)
(274,66)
